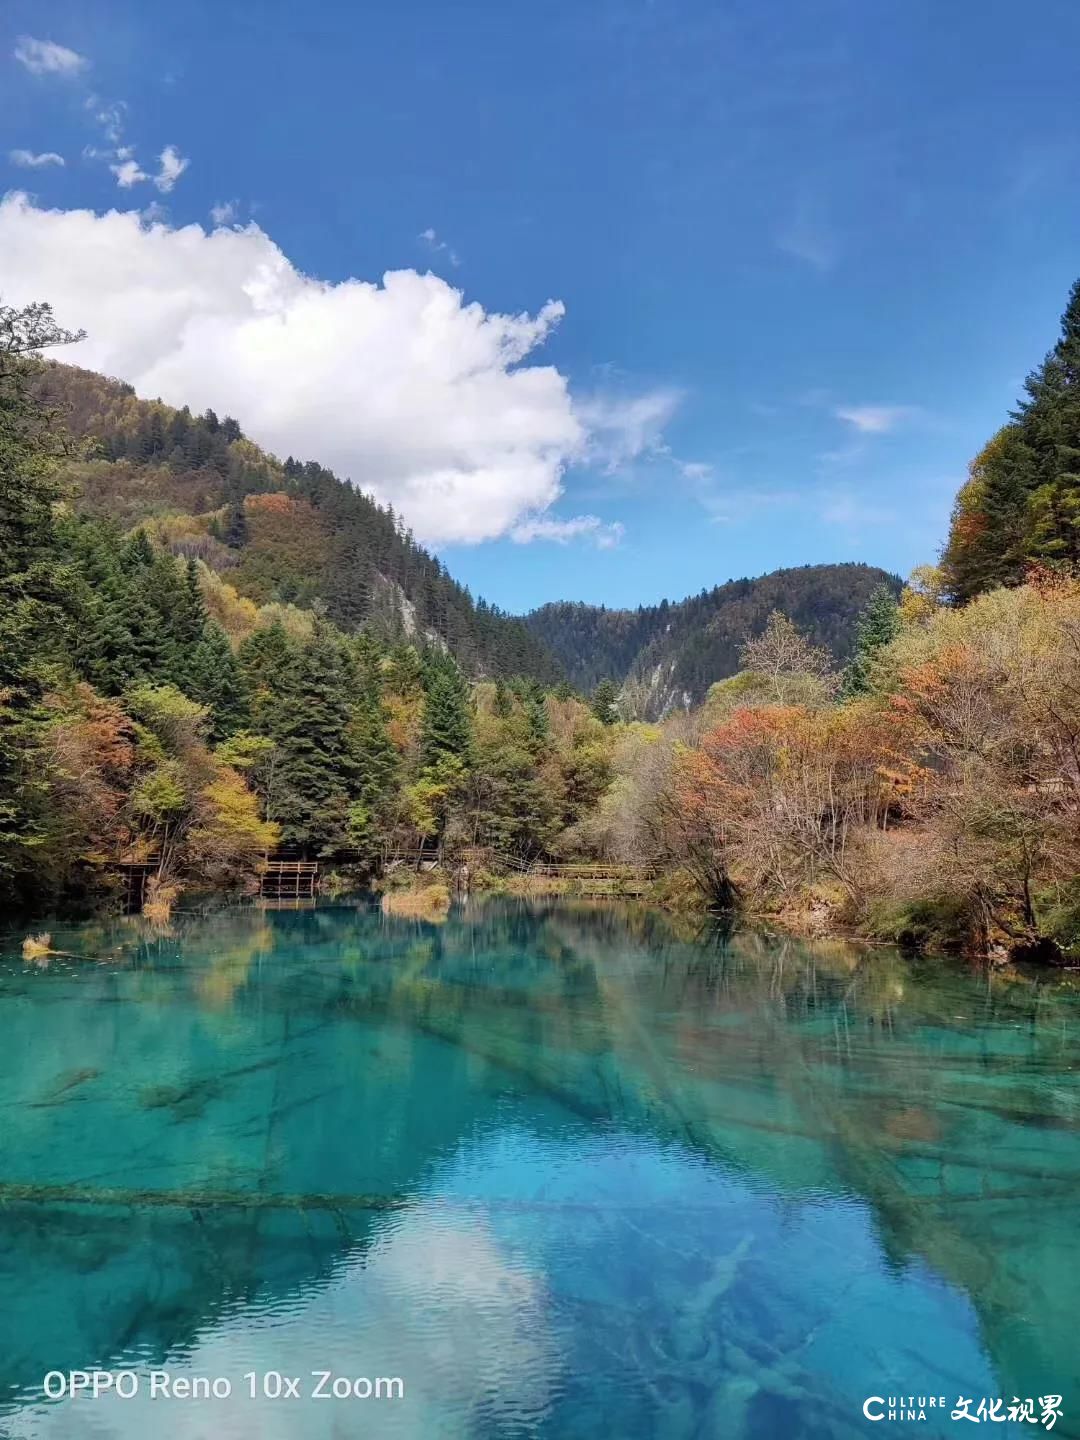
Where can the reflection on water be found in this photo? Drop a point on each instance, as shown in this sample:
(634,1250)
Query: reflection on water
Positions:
(564,1170)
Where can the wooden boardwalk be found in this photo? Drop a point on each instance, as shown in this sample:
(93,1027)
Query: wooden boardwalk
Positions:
(585,877)
(289,880)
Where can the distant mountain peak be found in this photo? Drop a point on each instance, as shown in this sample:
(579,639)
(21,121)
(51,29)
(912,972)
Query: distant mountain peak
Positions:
(673,651)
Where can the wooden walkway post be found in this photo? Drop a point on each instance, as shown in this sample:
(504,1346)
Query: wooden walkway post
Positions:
(290,879)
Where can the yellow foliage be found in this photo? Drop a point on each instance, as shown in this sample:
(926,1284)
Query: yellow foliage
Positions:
(298,624)
(161,897)
(426,902)
(235,613)
(230,833)
(403,715)
(167,531)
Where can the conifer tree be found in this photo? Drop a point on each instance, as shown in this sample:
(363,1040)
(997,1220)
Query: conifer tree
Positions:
(877,626)
(307,713)
(502,705)
(265,658)
(214,679)
(446,729)
(236,530)
(377,761)
(1022,501)
(604,700)
(35,594)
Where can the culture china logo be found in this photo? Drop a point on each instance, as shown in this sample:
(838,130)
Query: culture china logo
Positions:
(1044,1411)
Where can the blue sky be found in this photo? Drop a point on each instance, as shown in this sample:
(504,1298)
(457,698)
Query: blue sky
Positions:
(806,252)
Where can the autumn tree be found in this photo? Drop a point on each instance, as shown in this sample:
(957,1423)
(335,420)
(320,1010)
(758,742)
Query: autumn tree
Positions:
(1021,503)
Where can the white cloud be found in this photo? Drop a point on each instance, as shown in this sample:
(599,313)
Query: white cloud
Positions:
(437,1269)
(425,400)
(695,469)
(128,173)
(224,212)
(623,428)
(109,114)
(431,242)
(874,419)
(28,160)
(173,165)
(605,536)
(45,57)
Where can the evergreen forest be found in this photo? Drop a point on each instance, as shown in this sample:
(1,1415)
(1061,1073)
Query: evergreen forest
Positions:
(208,655)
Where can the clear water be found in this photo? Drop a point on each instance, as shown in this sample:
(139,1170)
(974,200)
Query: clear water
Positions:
(565,1171)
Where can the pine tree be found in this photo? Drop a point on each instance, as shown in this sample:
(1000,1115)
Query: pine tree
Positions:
(189,620)
(307,713)
(604,699)
(1022,500)
(501,705)
(266,658)
(377,761)
(214,679)
(446,729)
(877,626)
(35,596)
(236,531)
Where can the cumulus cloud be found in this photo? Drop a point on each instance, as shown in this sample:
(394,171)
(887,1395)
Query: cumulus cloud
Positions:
(128,173)
(172,165)
(28,160)
(874,419)
(430,403)
(223,213)
(579,527)
(45,57)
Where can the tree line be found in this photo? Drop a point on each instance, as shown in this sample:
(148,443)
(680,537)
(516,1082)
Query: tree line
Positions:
(928,790)
(669,654)
(287,531)
(152,712)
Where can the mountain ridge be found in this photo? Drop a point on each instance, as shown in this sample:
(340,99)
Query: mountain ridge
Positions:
(668,654)
(291,532)
(288,532)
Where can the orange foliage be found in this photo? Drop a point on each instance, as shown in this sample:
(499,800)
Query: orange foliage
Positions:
(92,756)
(785,791)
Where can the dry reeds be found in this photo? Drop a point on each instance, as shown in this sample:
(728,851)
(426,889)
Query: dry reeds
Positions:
(426,902)
(160,899)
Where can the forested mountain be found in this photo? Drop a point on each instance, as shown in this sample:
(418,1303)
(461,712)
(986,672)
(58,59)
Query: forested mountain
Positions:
(174,696)
(169,698)
(292,533)
(1021,504)
(669,654)
(289,532)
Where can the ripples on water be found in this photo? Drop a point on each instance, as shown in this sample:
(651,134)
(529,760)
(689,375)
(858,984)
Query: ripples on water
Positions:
(567,1171)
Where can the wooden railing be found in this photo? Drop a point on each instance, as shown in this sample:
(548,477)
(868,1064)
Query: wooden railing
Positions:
(593,871)
(290,879)
(298,879)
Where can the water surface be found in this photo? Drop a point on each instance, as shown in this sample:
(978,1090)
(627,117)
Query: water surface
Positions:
(564,1170)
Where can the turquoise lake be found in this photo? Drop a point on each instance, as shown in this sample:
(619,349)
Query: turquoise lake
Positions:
(565,1170)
